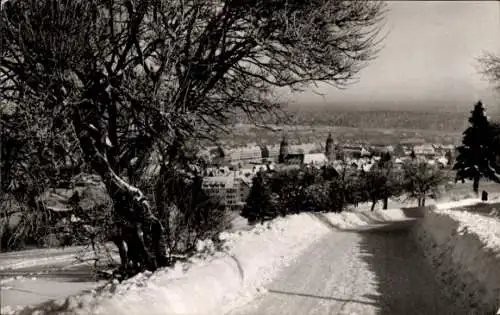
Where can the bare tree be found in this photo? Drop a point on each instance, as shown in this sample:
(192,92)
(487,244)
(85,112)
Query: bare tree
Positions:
(126,77)
(421,180)
(490,67)
(377,183)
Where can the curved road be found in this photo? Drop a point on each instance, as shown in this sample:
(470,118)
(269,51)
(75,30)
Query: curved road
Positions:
(378,271)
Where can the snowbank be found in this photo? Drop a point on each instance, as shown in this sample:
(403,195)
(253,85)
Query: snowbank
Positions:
(353,220)
(464,248)
(213,285)
(22,291)
(456,204)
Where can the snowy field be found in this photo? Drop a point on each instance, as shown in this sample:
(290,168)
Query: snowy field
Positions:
(65,256)
(39,275)
(37,257)
(35,290)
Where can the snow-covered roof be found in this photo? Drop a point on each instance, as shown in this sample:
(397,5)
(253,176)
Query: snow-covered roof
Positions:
(338,167)
(364,152)
(442,160)
(367,167)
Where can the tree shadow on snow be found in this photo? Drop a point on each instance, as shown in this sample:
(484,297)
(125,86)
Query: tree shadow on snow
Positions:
(480,208)
(404,280)
(328,298)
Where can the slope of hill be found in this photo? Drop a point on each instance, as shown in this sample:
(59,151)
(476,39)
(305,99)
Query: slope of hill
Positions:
(441,117)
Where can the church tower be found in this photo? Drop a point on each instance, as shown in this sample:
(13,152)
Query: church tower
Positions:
(329,149)
(283,150)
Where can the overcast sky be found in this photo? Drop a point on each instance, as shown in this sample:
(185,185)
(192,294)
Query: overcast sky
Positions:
(429,54)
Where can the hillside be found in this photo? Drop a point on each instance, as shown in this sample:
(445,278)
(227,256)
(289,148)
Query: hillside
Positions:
(381,119)
(378,116)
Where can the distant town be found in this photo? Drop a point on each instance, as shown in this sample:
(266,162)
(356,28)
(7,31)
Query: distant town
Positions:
(230,170)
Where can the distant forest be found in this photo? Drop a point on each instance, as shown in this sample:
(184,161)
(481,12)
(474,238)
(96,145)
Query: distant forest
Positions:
(382,119)
(379,118)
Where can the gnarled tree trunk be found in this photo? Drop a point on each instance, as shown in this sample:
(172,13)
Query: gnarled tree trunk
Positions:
(132,211)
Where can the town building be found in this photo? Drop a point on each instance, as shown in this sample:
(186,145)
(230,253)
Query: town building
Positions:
(379,149)
(231,190)
(273,152)
(294,158)
(249,153)
(354,150)
(217,171)
(315,159)
(425,151)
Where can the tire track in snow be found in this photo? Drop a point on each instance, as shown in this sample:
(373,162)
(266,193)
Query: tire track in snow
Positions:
(238,265)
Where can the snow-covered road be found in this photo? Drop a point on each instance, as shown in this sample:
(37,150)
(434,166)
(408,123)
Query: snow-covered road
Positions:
(380,271)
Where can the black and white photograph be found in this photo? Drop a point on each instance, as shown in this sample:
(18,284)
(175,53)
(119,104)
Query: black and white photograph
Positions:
(249,157)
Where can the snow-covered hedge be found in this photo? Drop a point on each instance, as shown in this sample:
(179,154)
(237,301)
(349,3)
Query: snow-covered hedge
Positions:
(205,286)
(464,248)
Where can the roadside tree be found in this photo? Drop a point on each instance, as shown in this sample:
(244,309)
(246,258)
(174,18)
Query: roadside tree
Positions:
(124,79)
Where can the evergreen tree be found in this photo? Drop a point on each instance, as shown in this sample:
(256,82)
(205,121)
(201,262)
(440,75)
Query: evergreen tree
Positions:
(329,172)
(413,156)
(385,159)
(259,204)
(476,155)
